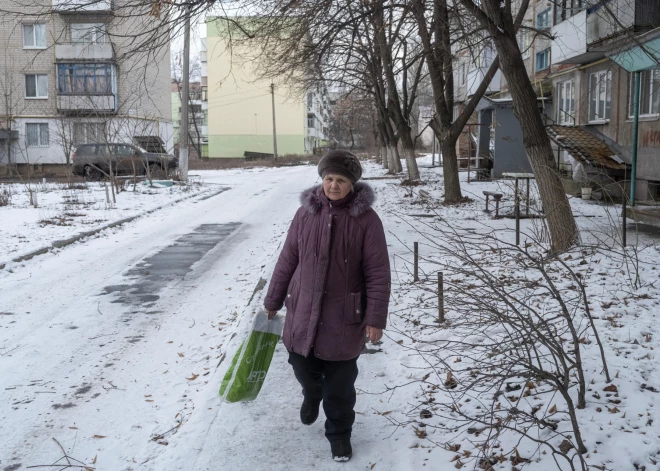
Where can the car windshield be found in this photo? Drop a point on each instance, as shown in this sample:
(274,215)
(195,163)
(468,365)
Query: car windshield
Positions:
(141,149)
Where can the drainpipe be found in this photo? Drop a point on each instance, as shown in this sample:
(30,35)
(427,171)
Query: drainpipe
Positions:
(633,173)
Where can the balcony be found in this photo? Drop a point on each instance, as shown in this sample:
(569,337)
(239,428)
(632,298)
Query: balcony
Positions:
(630,14)
(571,39)
(85,51)
(96,104)
(475,77)
(83,6)
(600,24)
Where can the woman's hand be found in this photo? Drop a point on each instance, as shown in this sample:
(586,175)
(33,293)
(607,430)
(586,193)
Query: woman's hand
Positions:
(271,314)
(374,334)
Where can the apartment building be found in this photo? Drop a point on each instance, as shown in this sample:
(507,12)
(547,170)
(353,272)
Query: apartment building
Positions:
(196,118)
(240,105)
(593,94)
(570,50)
(67,77)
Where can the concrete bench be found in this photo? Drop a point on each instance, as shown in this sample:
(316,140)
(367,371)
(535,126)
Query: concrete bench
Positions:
(497,197)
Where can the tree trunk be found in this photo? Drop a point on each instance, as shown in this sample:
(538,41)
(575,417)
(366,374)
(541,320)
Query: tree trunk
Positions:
(394,159)
(557,209)
(453,193)
(409,154)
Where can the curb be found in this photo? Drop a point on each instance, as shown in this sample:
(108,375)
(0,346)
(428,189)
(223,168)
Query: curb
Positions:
(58,244)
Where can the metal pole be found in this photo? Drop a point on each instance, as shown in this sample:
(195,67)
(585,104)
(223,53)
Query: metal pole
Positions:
(469,162)
(416,270)
(624,223)
(517,211)
(433,155)
(183,137)
(272,94)
(633,173)
(441,298)
(527,202)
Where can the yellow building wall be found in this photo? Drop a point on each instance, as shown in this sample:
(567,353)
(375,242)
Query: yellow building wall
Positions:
(240,109)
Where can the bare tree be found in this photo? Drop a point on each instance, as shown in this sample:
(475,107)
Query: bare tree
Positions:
(498,19)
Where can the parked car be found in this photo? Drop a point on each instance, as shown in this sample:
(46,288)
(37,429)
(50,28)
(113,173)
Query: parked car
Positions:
(93,161)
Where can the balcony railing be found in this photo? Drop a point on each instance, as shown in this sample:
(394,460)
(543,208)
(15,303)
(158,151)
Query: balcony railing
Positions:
(85,51)
(83,6)
(570,38)
(94,104)
(601,22)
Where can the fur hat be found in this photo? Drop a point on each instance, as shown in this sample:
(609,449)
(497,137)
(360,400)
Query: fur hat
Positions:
(340,162)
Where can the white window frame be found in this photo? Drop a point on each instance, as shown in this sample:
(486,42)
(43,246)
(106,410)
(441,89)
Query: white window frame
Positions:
(566,103)
(544,15)
(82,129)
(654,76)
(98,31)
(39,134)
(36,87)
(546,52)
(34,35)
(603,77)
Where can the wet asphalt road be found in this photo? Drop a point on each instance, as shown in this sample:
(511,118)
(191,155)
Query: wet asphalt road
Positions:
(172,263)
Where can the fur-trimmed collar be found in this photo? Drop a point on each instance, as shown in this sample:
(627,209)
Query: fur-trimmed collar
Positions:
(313,199)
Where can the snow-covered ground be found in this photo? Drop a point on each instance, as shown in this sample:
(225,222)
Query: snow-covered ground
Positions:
(118,356)
(62,210)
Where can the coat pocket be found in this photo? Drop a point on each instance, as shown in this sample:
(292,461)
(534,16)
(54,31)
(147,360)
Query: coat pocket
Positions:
(356,314)
(291,295)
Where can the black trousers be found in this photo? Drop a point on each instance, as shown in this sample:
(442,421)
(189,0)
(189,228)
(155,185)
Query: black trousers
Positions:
(333,382)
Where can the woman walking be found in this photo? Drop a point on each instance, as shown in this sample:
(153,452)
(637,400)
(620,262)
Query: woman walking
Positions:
(333,275)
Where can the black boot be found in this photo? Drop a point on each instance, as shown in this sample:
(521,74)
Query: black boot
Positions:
(341,449)
(309,411)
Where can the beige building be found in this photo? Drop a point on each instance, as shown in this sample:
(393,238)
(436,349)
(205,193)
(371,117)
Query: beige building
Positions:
(240,106)
(66,79)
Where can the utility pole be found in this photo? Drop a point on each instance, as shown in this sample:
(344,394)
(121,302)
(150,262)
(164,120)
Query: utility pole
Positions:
(272,94)
(184,138)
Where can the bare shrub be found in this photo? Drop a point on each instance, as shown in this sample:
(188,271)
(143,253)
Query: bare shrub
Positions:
(5,196)
(508,360)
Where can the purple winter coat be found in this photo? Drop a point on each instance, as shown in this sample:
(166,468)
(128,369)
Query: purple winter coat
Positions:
(334,272)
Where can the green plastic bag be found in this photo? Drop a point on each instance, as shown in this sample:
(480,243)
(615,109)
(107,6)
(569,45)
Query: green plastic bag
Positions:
(248,369)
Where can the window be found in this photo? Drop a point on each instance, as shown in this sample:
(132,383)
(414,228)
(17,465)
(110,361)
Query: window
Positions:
(649,93)
(37,134)
(84,79)
(87,33)
(36,86)
(600,96)
(543,19)
(566,103)
(125,150)
(310,120)
(543,60)
(524,42)
(310,100)
(564,9)
(463,73)
(88,133)
(34,36)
